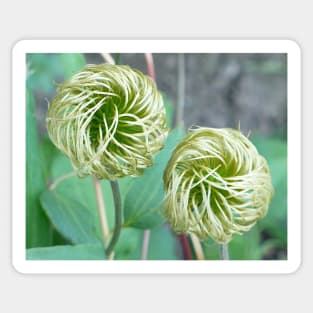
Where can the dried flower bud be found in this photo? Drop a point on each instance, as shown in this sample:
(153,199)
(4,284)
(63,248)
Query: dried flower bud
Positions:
(217,184)
(109,120)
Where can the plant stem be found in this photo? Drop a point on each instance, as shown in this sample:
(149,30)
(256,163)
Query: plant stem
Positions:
(179,122)
(146,234)
(197,247)
(101,211)
(145,244)
(108,58)
(224,251)
(179,117)
(60,179)
(118,217)
(150,65)
(185,246)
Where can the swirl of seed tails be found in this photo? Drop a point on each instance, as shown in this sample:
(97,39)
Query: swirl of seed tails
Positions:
(109,120)
(216,184)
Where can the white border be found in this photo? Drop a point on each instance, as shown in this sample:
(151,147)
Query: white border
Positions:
(156,46)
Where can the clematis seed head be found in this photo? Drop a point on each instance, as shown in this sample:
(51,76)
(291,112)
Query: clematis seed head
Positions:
(216,184)
(109,120)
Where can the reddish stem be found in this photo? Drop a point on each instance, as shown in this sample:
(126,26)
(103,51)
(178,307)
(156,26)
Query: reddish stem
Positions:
(186,247)
(150,65)
(183,238)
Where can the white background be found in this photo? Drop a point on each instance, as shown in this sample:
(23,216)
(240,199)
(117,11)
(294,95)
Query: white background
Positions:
(162,19)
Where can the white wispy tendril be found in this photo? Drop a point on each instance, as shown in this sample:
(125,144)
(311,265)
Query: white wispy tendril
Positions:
(217,184)
(109,120)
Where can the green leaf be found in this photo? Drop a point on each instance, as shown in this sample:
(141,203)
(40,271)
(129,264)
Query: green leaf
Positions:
(72,63)
(83,190)
(211,250)
(271,148)
(129,244)
(44,70)
(70,217)
(77,252)
(80,192)
(49,153)
(163,244)
(38,228)
(145,196)
(275,223)
(246,246)
(242,247)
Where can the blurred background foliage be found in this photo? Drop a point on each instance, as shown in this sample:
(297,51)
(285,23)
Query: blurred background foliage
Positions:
(221,90)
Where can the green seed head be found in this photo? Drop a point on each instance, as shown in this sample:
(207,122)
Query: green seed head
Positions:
(216,184)
(109,120)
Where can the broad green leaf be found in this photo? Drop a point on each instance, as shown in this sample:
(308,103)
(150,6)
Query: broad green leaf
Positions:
(44,70)
(81,193)
(246,246)
(77,252)
(70,217)
(80,189)
(275,223)
(83,190)
(144,198)
(72,63)
(49,153)
(270,148)
(211,250)
(38,228)
(163,244)
(242,247)
(129,244)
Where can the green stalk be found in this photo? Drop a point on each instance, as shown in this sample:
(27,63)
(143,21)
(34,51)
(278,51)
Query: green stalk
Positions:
(224,252)
(118,217)
(101,211)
